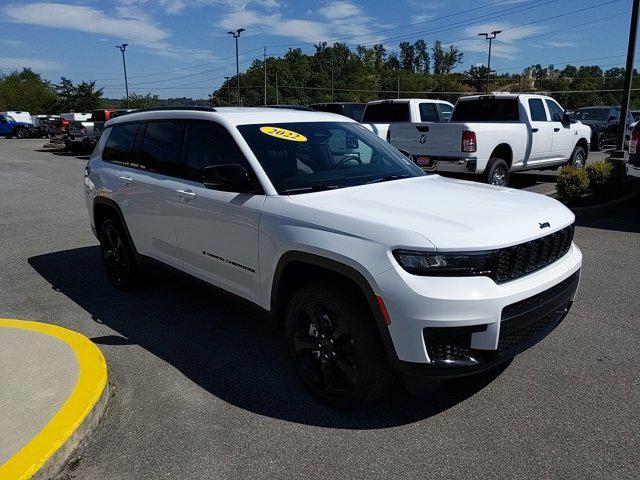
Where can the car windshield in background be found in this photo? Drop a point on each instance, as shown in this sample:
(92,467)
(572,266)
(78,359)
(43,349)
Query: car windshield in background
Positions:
(354,111)
(595,114)
(303,157)
(486,109)
(386,112)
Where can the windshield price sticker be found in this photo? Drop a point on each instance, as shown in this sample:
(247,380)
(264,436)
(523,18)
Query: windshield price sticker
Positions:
(283,134)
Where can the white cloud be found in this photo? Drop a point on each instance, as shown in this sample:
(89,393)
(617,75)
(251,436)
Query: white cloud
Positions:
(332,21)
(128,24)
(504,46)
(9,64)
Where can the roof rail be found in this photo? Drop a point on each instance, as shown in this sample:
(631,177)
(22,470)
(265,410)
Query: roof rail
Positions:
(176,107)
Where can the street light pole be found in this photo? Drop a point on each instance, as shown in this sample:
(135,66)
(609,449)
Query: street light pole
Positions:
(490,37)
(264,62)
(122,49)
(236,35)
(628,76)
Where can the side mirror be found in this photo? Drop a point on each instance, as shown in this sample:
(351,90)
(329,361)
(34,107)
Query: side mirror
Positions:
(613,118)
(352,143)
(228,177)
(566,118)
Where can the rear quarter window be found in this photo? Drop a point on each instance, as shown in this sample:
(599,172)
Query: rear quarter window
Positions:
(120,143)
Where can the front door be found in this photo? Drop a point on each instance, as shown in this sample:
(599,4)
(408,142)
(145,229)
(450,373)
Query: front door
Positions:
(563,135)
(217,230)
(540,133)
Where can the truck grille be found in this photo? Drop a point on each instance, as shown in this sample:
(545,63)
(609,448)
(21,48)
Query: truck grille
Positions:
(518,260)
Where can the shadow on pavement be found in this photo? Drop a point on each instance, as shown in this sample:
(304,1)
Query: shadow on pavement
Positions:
(224,345)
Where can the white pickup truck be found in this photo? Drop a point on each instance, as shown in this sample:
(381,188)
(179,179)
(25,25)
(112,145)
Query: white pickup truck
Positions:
(379,114)
(493,135)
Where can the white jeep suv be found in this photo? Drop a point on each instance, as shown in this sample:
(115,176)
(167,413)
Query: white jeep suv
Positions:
(373,267)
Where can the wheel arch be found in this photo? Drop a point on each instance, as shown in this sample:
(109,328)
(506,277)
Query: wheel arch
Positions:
(503,151)
(297,268)
(104,208)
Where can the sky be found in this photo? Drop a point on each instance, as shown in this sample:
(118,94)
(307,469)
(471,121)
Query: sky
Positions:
(181,48)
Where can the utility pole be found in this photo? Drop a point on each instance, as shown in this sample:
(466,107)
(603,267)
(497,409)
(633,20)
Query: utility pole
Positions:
(490,37)
(277,93)
(264,61)
(236,35)
(226,79)
(332,83)
(122,49)
(628,76)
(398,85)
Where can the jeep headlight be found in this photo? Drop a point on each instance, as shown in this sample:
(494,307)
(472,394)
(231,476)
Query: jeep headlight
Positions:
(445,264)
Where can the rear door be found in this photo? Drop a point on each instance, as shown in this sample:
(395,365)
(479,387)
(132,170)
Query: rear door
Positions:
(146,192)
(563,135)
(217,230)
(540,132)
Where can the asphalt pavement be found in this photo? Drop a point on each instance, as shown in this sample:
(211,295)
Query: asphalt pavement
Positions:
(202,388)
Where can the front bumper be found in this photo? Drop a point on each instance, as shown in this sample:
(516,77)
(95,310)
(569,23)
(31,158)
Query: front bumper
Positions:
(452,326)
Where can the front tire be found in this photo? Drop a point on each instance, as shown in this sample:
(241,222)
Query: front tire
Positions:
(334,345)
(578,157)
(117,256)
(600,142)
(497,173)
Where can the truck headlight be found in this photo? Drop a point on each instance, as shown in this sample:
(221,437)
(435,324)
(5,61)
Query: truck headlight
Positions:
(445,264)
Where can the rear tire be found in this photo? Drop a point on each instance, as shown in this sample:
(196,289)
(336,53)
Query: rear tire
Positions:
(335,347)
(21,133)
(578,157)
(599,143)
(497,173)
(117,255)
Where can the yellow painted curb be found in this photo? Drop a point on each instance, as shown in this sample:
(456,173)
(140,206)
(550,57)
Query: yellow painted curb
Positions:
(92,380)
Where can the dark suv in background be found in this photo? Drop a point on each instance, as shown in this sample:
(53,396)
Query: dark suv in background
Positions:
(348,109)
(604,124)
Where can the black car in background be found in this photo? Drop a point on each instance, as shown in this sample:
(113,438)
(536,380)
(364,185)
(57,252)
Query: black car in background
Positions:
(348,109)
(604,123)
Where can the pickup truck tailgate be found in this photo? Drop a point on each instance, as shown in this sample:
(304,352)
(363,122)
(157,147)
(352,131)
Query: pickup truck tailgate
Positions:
(430,139)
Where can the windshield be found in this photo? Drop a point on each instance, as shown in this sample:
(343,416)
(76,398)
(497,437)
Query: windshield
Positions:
(597,114)
(9,118)
(310,156)
(386,112)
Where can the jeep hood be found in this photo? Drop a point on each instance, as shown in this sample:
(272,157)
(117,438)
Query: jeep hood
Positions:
(451,214)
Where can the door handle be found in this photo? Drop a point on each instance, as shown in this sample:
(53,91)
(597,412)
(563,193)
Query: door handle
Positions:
(557,129)
(186,194)
(126,179)
(534,130)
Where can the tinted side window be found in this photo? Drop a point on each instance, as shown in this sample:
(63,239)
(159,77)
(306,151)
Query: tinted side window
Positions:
(428,112)
(354,111)
(556,112)
(486,109)
(536,107)
(119,144)
(162,146)
(211,144)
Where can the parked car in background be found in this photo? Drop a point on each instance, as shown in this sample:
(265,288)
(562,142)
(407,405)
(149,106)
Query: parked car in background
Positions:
(493,135)
(633,165)
(379,114)
(83,135)
(604,123)
(371,267)
(627,134)
(635,114)
(9,127)
(348,109)
(59,128)
(22,117)
(41,123)
(301,108)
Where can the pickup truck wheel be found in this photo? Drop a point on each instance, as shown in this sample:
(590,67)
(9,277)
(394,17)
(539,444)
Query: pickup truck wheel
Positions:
(21,133)
(334,346)
(600,142)
(578,157)
(117,256)
(497,173)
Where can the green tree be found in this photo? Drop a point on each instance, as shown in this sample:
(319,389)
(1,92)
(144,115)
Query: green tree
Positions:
(138,101)
(27,91)
(407,56)
(421,58)
(445,60)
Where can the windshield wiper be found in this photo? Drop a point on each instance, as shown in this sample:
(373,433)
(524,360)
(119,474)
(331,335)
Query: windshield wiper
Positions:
(388,178)
(316,187)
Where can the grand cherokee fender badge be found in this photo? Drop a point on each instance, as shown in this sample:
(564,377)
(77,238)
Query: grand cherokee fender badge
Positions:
(230,262)
(545,225)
